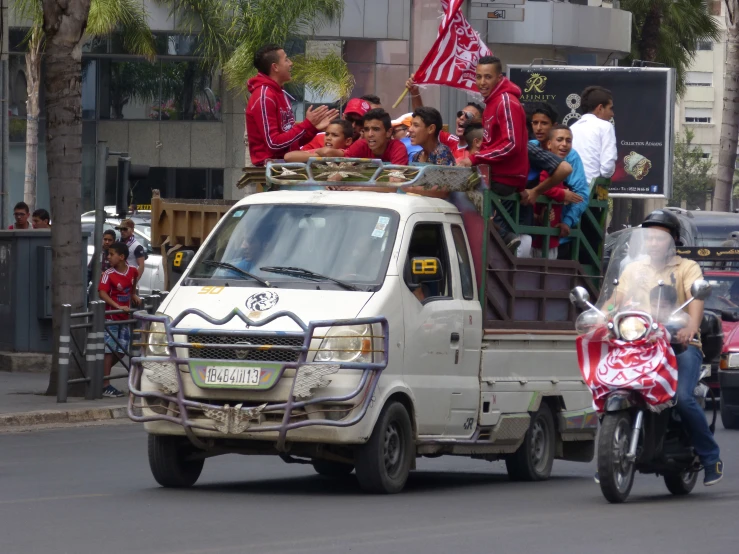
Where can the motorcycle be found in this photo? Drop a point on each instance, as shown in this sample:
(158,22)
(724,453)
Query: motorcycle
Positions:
(627,354)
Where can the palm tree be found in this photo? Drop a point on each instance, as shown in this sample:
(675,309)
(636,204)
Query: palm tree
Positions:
(668,32)
(64,24)
(231,31)
(105,17)
(730,115)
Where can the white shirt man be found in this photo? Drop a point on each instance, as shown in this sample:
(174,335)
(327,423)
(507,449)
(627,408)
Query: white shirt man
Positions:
(595,140)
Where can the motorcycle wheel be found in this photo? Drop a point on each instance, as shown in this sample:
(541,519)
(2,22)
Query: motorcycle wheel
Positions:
(615,471)
(681,483)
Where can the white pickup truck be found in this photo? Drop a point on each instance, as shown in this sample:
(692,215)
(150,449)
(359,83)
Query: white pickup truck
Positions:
(344,329)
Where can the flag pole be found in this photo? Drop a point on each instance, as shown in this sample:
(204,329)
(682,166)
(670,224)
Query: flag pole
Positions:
(399,100)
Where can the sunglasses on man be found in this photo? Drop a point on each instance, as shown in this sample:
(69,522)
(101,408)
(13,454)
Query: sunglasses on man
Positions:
(467,115)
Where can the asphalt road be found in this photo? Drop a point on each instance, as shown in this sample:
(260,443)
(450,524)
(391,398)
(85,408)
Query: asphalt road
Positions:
(89,490)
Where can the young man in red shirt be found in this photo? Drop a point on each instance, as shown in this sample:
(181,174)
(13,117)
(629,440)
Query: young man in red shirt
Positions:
(505,143)
(376,143)
(118,289)
(270,122)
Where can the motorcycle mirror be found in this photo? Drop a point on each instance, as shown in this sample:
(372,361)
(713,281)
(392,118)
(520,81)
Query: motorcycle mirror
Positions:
(580,297)
(701,289)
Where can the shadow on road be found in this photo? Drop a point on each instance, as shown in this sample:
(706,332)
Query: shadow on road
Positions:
(418,482)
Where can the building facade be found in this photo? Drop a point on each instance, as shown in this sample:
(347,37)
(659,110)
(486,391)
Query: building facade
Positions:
(187,125)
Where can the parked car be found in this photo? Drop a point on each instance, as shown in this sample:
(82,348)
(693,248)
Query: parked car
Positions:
(153,278)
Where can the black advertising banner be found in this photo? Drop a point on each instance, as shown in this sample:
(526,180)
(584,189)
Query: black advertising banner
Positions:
(643,100)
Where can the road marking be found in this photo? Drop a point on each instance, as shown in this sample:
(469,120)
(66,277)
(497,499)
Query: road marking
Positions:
(47,498)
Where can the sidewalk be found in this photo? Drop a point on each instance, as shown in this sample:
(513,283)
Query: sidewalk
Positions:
(23,404)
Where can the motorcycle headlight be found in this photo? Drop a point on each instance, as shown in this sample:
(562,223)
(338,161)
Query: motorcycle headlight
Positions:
(588,320)
(632,328)
(157,341)
(351,343)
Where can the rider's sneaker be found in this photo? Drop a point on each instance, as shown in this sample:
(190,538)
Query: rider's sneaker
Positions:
(713,473)
(111,392)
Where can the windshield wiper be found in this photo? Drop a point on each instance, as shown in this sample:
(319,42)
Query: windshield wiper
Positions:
(238,270)
(307,274)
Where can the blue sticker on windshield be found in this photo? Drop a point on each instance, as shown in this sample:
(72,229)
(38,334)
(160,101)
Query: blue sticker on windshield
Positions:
(382,223)
(238,213)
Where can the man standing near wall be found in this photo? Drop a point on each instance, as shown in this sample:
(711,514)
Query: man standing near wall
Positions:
(270,122)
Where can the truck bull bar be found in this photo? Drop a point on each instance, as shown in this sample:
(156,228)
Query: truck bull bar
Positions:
(166,372)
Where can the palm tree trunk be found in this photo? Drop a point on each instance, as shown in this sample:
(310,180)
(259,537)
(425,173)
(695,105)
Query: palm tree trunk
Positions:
(649,43)
(730,115)
(64,24)
(33,76)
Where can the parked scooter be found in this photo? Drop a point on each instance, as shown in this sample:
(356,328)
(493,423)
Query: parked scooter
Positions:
(627,359)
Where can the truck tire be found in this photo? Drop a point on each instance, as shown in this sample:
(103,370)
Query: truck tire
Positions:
(681,483)
(534,458)
(729,419)
(328,468)
(169,464)
(615,473)
(384,462)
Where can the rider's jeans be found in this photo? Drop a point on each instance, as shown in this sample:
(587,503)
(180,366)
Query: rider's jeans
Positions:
(691,414)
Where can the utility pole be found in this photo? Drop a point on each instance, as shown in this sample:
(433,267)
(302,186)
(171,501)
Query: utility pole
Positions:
(4,120)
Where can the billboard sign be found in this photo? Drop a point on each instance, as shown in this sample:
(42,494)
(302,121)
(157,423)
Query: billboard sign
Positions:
(644,104)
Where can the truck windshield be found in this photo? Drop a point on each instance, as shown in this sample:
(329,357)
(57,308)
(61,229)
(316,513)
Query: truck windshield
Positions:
(319,244)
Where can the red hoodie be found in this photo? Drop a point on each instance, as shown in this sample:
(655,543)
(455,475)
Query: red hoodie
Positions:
(270,122)
(504,145)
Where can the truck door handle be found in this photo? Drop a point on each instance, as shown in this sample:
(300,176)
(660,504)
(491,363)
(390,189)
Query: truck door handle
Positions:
(455,337)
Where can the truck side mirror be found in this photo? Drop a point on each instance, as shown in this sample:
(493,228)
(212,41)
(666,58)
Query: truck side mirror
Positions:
(180,260)
(425,270)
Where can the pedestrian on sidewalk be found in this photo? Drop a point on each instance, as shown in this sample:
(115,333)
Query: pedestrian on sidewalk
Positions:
(21,213)
(136,251)
(118,289)
(109,238)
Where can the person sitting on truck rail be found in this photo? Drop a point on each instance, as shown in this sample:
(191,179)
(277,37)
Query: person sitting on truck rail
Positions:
(424,132)
(377,142)
(339,135)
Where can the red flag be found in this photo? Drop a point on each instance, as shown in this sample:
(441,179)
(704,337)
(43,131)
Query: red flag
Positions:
(453,57)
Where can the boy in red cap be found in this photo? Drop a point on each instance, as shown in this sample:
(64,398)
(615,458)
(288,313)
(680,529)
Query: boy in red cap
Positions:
(354,114)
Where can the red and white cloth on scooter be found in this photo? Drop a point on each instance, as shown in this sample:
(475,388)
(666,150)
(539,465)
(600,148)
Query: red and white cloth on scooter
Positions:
(647,366)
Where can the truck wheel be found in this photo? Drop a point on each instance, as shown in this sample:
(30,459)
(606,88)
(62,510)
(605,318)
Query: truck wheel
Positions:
(332,469)
(169,464)
(383,463)
(681,483)
(729,419)
(534,458)
(615,472)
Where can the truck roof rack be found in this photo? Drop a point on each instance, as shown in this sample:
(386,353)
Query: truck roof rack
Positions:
(359,172)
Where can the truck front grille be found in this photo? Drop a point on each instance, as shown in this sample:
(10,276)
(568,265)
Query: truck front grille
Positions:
(249,354)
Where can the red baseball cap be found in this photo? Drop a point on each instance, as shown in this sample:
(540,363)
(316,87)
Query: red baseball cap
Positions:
(357,106)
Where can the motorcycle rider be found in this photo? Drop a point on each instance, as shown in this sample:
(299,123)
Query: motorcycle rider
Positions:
(681,273)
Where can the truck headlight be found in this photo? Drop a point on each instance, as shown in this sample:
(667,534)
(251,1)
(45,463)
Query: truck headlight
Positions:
(632,328)
(157,341)
(350,343)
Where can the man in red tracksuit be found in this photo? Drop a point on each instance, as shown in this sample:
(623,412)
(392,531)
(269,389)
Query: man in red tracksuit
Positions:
(505,143)
(270,122)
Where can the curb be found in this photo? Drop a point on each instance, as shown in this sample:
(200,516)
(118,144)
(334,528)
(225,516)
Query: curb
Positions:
(52,417)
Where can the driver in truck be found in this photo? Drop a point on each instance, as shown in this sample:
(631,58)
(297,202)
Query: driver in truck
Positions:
(680,273)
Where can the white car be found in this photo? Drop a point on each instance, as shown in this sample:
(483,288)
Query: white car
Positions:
(153,278)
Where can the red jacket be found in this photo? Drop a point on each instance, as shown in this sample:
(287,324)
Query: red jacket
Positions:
(504,145)
(270,122)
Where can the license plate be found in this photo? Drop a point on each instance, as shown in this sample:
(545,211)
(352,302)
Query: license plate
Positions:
(233,376)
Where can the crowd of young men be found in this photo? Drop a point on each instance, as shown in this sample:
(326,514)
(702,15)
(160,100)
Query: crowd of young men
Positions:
(526,150)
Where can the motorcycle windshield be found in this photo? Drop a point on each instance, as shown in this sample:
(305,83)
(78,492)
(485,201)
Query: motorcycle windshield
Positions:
(640,275)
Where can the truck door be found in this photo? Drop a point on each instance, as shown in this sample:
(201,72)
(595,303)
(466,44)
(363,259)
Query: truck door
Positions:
(465,378)
(433,325)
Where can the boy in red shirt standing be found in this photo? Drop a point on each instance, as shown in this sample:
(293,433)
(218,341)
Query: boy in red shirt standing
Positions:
(118,289)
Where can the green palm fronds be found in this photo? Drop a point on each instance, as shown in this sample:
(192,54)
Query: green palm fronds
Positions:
(327,76)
